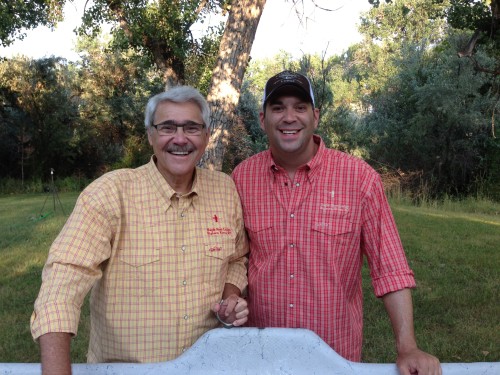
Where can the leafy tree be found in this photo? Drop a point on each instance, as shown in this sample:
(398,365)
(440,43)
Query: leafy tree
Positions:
(39,113)
(159,29)
(387,29)
(431,117)
(482,17)
(17,16)
(14,140)
(114,88)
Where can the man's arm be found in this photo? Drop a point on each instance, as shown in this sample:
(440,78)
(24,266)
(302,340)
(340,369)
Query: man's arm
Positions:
(411,360)
(55,353)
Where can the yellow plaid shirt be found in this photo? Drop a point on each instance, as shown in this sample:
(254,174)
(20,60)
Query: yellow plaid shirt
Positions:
(157,263)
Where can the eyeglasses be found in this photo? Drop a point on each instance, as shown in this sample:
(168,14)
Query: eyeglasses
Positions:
(170,128)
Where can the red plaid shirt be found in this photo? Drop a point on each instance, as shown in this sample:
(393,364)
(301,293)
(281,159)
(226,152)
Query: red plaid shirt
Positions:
(307,241)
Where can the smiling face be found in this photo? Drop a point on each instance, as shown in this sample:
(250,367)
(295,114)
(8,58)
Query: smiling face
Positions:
(289,122)
(178,154)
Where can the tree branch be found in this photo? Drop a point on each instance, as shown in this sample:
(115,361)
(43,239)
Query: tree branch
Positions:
(469,48)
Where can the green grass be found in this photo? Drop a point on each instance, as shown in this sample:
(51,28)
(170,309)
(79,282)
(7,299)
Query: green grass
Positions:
(453,247)
(28,225)
(454,250)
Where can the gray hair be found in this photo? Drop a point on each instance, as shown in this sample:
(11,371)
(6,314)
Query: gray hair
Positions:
(178,94)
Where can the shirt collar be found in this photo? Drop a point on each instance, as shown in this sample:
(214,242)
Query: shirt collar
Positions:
(163,188)
(312,166)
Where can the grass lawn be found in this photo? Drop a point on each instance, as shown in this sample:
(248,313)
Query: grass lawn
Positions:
(454,250)
(455,254)
(28,225)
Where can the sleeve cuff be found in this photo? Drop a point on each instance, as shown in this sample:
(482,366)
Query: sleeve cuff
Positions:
(237,274)
(54,318)
(393,282)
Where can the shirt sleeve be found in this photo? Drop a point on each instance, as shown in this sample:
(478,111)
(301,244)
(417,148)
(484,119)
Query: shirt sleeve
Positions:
(73,265)
(381,243)
(237,271)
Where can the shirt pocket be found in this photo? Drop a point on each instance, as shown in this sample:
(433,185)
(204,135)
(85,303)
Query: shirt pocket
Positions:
(262,236)
(220,249)
(332,236)
(332,227)
(138,271)
(139,258)
(214,266)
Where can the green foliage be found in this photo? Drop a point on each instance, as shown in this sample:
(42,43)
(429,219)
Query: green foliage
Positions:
(491,187)
(470,14)
(482,17)
(160,31)
(75,119)
(248,110)
(73,183)
(340,129)
(136,152)
(115,86)
(201,59)
(432,117)
(400,99)
(18,16)
(38,114)
(407,21)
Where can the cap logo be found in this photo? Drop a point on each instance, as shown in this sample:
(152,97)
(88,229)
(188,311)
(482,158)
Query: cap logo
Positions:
(288,78)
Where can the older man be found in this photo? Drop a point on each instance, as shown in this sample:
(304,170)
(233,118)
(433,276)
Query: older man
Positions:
(160,245)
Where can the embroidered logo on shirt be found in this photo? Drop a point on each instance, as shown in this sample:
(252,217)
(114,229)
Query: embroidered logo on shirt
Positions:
(219,231)
(215,249)
(333,207)
(215,218)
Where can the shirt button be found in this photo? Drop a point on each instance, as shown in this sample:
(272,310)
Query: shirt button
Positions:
(186,317)
(182,214)
(292,215)
(292,245)
(292,276)
(183,248)
(184,282)
(297,184)
(290,305)
(184,349)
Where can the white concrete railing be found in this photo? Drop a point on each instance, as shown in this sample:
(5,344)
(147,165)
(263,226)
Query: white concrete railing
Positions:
(249,351)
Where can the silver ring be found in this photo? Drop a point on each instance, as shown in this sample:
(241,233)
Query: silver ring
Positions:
(224,324)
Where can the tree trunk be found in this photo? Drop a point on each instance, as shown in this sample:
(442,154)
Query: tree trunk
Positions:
(227,78)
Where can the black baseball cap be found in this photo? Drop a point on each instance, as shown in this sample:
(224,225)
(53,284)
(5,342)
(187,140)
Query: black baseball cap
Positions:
(288,80)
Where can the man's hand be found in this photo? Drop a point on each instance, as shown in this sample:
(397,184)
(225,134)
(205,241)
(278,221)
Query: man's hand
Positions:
(232,310)
(418,362)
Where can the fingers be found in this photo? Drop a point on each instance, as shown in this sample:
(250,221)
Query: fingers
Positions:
(216,307)
(240,322)
(234,309)
(418,362)
(234,304)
